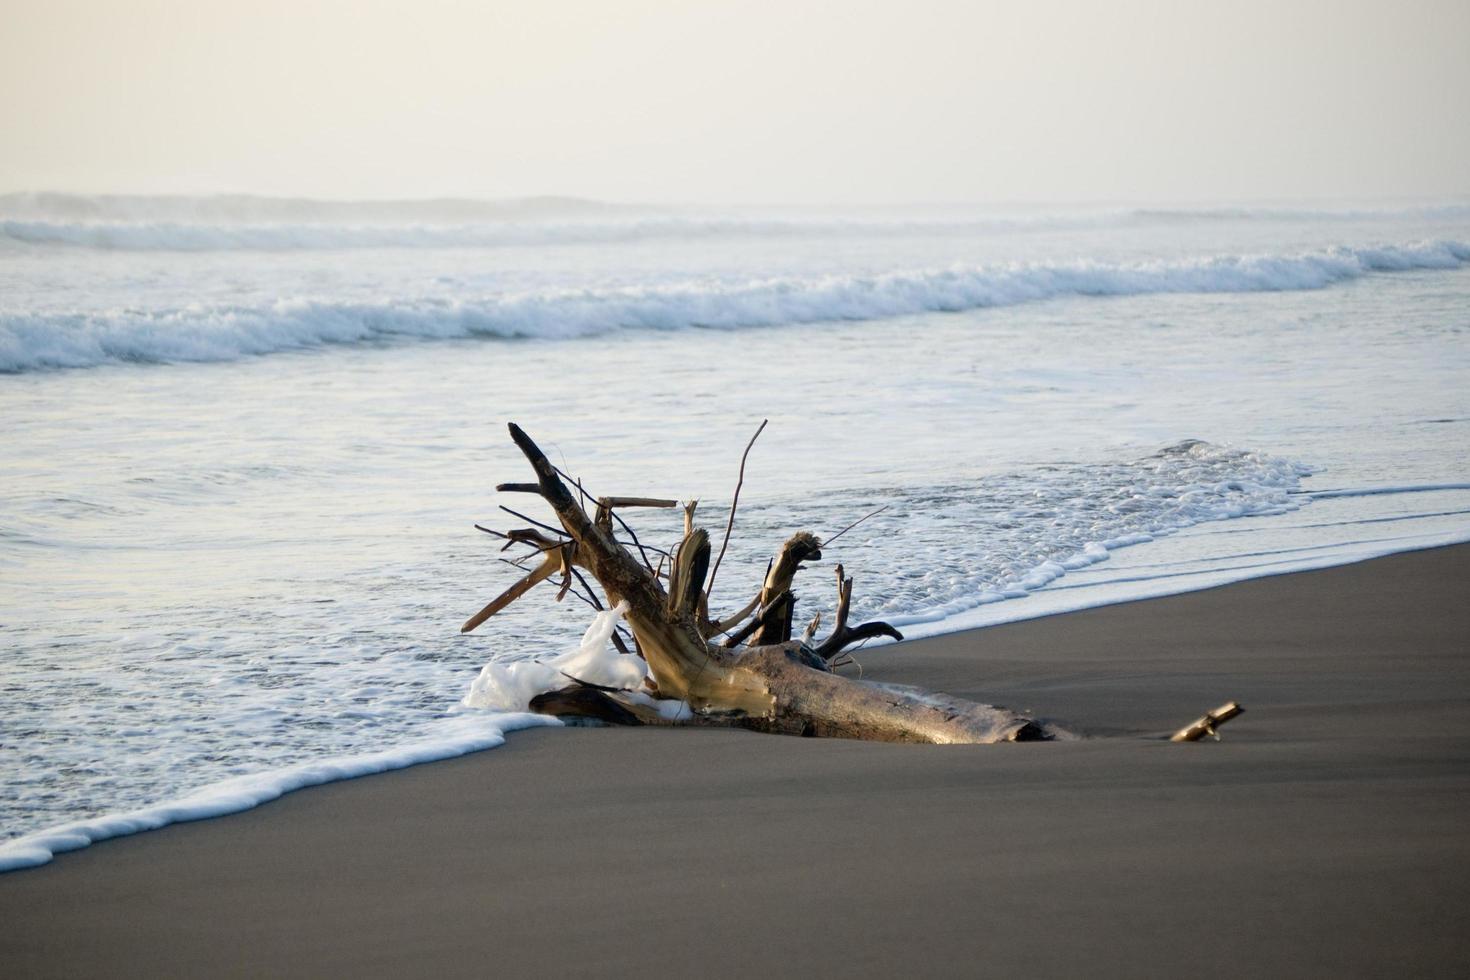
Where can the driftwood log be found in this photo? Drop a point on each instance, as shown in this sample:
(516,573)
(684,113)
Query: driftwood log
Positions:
(744,670)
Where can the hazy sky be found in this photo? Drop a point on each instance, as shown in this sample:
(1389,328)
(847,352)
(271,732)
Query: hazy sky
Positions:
(861,101)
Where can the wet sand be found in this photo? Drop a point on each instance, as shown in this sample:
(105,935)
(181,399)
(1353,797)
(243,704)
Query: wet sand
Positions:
(1328,833)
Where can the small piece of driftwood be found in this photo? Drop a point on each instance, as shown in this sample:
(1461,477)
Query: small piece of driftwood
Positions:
(1207,725)
(635,502)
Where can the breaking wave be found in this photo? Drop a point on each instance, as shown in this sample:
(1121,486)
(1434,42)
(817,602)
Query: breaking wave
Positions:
(30,341)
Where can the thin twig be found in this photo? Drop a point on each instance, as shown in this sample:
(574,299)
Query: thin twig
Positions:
(849,661)
(632,534)
(647,547)
(596,602)
(520,563)
(709,586)
(536,549)
(854,524)
(571,479)
(568,477)
(529,520)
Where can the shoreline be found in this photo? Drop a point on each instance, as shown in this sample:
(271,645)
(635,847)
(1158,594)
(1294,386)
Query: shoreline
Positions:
(1324,832)
(238,794)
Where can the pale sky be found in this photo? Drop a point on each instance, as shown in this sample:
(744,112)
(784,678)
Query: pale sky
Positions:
(757,101)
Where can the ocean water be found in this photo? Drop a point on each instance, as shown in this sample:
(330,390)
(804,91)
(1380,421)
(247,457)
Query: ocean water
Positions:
(245,442)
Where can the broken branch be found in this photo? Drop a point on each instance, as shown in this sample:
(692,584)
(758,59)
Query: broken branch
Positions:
(548,567)
(636,502)
(1208,724)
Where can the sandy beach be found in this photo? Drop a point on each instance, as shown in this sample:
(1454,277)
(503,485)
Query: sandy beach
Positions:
(1326,834)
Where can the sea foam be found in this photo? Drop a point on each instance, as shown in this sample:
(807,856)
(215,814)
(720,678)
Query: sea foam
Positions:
(36,340)
(465,734)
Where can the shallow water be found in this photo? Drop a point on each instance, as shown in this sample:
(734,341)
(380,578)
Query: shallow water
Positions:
(224,567)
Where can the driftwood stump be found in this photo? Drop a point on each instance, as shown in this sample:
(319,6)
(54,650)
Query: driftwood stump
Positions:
(756,677)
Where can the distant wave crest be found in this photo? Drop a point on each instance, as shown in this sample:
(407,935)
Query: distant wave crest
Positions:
(243,222)
(30,341)
(191,237)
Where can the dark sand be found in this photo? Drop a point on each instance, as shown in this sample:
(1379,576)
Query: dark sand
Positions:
(1329,833)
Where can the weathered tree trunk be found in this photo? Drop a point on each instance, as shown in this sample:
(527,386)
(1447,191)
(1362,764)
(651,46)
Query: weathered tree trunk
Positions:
(759,677)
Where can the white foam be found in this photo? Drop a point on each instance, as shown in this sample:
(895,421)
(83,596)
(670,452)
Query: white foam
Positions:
(1262,487)
(31,340)
(466,733)
(503,686)
(1088,513)
(1158,585)
(1393,488)
(502,692)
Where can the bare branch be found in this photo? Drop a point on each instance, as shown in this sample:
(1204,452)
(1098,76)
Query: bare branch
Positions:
(645,547)
(734,501)
(857,634)
(636,502)
(593,601)
(532,520)
(854,524)
(548,567)
(720,626)
(833,645)
(532,537)
(844,599)
(575,481)
(768,615)
(843,636)
(606,515)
